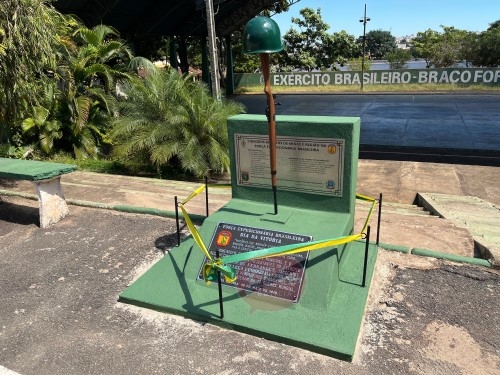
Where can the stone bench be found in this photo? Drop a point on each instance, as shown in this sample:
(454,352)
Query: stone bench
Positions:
(46,177)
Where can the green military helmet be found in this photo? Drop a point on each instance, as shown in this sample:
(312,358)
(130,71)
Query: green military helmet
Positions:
(262,35)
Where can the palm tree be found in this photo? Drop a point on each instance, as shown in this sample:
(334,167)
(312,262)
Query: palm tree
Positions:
(169,118)
(88,82)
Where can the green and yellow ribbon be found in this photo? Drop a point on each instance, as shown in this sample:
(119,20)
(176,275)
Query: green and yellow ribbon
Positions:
(212,267)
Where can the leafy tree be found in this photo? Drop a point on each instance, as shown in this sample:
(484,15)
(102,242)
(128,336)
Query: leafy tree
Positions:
(338,48)
(423,45)
(357,63)
(29,36)
(494,25)
(244,63)
(170,119)
(398,58)
(469,47)
(344,46)
(307,49)
(488,51)
(279,6)
(449,48)
(379,43)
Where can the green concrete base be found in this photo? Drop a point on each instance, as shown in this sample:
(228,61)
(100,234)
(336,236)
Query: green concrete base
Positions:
(328,315)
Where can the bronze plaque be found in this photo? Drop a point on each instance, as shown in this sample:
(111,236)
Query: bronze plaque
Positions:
(279,276)
(309,165)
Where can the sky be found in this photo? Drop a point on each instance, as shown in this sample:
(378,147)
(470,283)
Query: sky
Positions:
(401,18)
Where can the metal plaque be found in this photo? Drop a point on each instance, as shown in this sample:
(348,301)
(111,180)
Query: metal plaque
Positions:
(310,165)
(279,276)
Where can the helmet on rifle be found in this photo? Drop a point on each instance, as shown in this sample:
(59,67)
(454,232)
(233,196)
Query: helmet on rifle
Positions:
(262,35)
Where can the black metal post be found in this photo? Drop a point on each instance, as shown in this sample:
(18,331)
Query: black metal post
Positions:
(379,217)
(364,20)
(177,221)
(206,194)
(221,304)
(367,245)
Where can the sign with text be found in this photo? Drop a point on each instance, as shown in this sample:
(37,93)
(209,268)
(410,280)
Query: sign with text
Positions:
(309,165)
(279,276)
(459,76)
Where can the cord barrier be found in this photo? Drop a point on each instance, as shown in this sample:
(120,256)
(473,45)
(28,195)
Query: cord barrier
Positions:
(213,266)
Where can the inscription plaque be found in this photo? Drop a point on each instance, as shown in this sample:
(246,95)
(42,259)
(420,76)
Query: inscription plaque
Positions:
(310,165)
(279,276)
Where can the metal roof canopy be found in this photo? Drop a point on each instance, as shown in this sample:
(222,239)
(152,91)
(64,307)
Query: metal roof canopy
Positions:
(166,17)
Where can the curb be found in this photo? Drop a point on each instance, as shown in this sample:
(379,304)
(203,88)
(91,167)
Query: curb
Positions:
(451,257)
(391,247)
(436,255)
(119,207)
(201,218)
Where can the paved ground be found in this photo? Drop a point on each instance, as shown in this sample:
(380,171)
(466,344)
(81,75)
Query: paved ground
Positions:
(59,312)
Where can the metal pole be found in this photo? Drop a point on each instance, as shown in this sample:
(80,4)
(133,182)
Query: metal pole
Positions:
(206,194)
(379,216)
(221,304)
(367,244)
(177,221)
(271,118)
(364,20)
(213,50)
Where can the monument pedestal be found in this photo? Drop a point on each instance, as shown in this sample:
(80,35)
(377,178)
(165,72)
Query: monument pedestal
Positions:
(324,312)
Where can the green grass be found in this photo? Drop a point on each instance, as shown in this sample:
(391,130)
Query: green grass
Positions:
(407,88)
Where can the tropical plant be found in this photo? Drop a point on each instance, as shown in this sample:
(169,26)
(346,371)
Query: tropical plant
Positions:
(43,129)
(29,36)
(2,47)
(169,119)
(88,79)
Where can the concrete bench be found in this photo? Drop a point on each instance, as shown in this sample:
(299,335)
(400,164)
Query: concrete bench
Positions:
(47,180)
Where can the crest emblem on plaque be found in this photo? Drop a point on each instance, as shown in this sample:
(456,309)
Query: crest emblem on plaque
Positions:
(332,149)
(330,184)
(224,238)
(245,176)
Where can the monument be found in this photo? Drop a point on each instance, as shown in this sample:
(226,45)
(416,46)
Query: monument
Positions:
(285,242)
